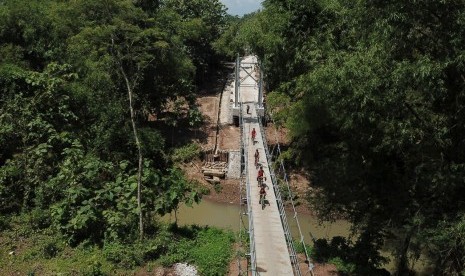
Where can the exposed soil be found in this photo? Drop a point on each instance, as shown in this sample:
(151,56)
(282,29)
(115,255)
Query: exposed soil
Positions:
(227,137)
(208,105)
(226,192)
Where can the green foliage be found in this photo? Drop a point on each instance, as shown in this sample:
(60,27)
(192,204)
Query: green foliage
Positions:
(4,222)
(122,255)
(342,267)
(300,247)
(74,168)
(94,270)
(48,250)
(218,188)
(350,258)
(179,189)
(372,95)
(195,117)
(212,251)
(448,237)
(209,249)
(202,22)
(46,245)
(186,153)
(39,219)
(130,256)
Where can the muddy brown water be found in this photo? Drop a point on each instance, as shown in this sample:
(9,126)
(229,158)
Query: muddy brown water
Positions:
(227,216)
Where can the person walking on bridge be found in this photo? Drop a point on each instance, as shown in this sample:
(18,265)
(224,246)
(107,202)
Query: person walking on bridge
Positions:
(257,157)
(260,176)
(262,193)
(254,133)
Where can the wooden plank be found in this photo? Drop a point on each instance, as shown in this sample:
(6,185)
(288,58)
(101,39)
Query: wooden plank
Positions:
(214,173)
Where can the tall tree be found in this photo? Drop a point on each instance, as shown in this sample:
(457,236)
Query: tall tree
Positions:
(372,93)
(78,82)
(202,22)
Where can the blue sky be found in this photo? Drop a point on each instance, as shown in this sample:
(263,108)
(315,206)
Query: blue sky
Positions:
(241,7)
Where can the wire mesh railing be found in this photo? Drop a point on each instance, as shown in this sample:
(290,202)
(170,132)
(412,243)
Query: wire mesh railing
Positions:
(244,185)
(272,160)
(245,191)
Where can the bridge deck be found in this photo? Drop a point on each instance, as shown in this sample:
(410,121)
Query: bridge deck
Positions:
(272,254)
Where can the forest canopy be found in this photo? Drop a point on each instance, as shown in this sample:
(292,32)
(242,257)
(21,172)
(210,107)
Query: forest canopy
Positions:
(372,93)
(79,81)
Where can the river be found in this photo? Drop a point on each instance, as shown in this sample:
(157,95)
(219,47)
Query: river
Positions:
(227,216)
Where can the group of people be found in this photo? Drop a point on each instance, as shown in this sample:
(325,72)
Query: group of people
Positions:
(261,173)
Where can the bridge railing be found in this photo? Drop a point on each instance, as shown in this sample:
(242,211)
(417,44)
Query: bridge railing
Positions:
(282,211)
(245,182)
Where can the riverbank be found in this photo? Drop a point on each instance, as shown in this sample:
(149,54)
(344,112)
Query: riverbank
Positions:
(28,250)
(220,207)
(219,133)
(227,216)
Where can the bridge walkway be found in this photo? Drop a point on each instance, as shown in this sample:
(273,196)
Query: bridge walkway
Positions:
(272,255)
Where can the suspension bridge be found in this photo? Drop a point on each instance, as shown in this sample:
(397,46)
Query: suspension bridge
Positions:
(271,248)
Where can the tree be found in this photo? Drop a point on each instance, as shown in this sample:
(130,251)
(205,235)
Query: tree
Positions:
(78,82)
(373,99)
(202,22)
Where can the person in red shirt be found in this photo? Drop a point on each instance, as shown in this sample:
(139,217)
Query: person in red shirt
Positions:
(254,133)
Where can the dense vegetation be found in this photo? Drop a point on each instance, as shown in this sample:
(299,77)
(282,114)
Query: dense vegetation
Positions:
(371,91)
(88,90)
(373,95)
(43,252)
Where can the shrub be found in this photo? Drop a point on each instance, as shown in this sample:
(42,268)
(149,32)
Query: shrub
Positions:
(39,219)
(299,247)
(212,251)
(94,270)
(178,251)
(186,153)
(209,249)
(123,256)
(343,267)
(4,223)
(50,249)
(45,245)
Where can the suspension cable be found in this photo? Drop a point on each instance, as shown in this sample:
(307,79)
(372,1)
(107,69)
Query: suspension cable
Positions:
(282,169)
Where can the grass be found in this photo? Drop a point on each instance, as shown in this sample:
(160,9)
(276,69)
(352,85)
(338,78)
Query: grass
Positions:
(44,252)
(212,251)
(209,249)
(299,247)
(81,261)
